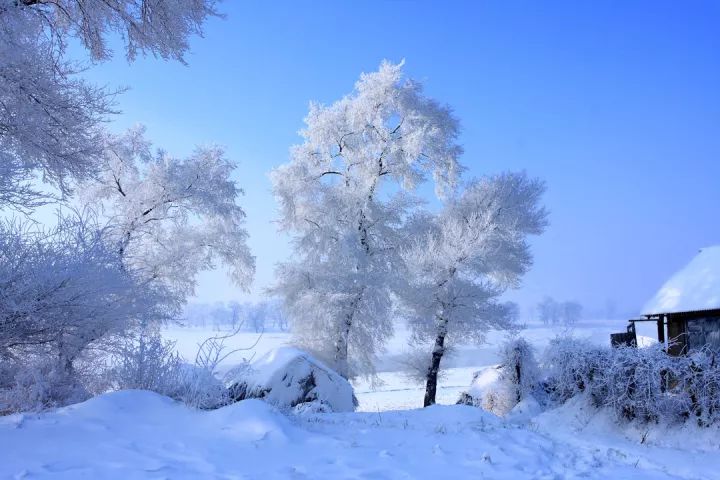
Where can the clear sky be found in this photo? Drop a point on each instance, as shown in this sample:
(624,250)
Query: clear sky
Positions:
(616,104)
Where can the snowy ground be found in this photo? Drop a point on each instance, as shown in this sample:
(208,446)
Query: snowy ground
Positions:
(136,434)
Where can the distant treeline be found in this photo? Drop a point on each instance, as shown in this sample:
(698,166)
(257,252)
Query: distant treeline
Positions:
(261,316)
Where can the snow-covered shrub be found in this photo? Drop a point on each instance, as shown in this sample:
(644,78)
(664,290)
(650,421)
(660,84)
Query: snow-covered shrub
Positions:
(38,384)
(146,362)
(519,368)
(636,383)
(149,362)
(287,377)
(198,387)
(63,294)
(633,381)
(499,389)
(571,365)
(701,385)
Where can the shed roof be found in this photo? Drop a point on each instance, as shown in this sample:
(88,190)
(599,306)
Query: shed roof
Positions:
(695,287)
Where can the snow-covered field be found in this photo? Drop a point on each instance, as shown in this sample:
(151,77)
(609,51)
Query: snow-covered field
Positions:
(136,434)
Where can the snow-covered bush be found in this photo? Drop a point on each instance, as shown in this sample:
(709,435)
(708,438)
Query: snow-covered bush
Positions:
(63,289)
(287,377)
(519,368)
(37,384)
(146,362)
(636,383)
(150,363)
(198,387)
(499,389)
(571,366)
(702,384)
(63,294)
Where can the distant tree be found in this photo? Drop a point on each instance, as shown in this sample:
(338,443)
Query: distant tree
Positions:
(236,314)
(548,310)
(474,250)
(280,320)
(564,313)
(220,314)
(171,218)
(51,120)
(257,315)
(571,313)
(343,196)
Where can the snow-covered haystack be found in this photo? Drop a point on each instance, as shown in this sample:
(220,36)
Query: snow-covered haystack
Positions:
(287,377)
(490,391)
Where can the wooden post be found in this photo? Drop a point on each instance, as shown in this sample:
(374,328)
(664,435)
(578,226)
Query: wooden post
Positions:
(661,329)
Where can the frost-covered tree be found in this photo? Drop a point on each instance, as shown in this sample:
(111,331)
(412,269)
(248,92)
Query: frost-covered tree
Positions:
(343,197)
(171,218)
(62,290)
(50,118)
(475,249)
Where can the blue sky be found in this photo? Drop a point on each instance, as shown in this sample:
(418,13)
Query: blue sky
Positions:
(615,104)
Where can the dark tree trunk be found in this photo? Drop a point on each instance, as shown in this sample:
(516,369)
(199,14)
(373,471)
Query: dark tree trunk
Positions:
(518,372)
(432,374)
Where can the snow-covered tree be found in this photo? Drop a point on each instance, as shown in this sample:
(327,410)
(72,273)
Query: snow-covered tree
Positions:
(475,249)
(343,196)
(50,118)
(171,218)
(62,290)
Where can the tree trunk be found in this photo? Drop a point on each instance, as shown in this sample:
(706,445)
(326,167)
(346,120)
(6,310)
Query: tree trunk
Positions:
(341,348)
(343,339)
(432,373)
(518,373)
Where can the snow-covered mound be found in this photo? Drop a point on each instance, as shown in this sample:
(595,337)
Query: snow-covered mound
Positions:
(141,435)
(287,377)
(137,434)
(482,383)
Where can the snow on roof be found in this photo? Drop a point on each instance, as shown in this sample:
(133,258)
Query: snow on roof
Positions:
(695,287)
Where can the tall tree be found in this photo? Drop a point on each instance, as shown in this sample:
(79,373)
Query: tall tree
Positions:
(50,119)
(474,249)
(171,218)
(343,196)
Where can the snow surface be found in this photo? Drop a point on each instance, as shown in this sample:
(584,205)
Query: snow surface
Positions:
(138,434)
(695,287)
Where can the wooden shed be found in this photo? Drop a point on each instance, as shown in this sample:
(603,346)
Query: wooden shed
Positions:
(686,309)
